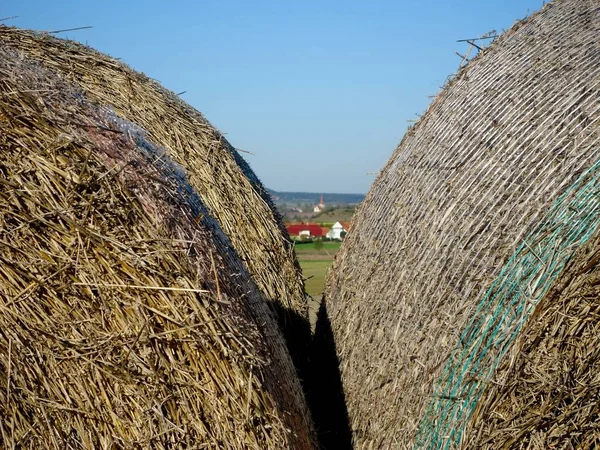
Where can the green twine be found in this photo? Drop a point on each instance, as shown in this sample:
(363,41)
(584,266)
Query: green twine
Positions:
(522,282)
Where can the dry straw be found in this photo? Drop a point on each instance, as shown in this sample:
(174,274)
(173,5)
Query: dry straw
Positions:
(127,319)
(470,223)
(225,182)
(545,393)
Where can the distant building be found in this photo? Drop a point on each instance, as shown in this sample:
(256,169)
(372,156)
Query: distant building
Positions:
(320,207)
(304,234)
(336,231)
(305,230)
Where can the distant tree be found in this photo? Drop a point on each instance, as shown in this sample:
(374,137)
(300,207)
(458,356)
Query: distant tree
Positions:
(343,235)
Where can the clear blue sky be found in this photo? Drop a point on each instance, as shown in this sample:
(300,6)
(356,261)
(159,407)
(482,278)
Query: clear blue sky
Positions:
(319,91)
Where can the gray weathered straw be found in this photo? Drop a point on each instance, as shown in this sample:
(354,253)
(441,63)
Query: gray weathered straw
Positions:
(469,225)
(545,392)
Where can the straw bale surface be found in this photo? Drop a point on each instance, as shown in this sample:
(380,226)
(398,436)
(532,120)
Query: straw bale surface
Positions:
(496,151)
(227,185)
(546,392)
(127,319)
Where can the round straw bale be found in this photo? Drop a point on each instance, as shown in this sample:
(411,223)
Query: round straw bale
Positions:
(546,391)
(468,226)
(127,319)
(230,190)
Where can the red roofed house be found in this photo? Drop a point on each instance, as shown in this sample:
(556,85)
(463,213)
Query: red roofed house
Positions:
(305,230)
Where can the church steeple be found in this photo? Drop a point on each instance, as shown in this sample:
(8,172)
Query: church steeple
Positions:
(321,206)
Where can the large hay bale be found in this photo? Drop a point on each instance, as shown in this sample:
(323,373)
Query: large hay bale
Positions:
(127,320)
(471,223)
(545,392)
(225,182)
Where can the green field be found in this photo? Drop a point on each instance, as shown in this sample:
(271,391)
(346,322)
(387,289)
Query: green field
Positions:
(314,272)
(315,262)
(311,249)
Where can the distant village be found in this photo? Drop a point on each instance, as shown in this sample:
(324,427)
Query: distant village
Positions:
(319,222)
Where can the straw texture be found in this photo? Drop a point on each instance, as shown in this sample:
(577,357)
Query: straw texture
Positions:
(127,320)
(502,154)
(225,182)
(545,393)
(505,307)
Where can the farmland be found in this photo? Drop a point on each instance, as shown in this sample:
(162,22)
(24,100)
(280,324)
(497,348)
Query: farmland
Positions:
(315,262)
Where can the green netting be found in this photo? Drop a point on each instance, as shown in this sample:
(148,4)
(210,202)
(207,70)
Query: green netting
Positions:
(505,307)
